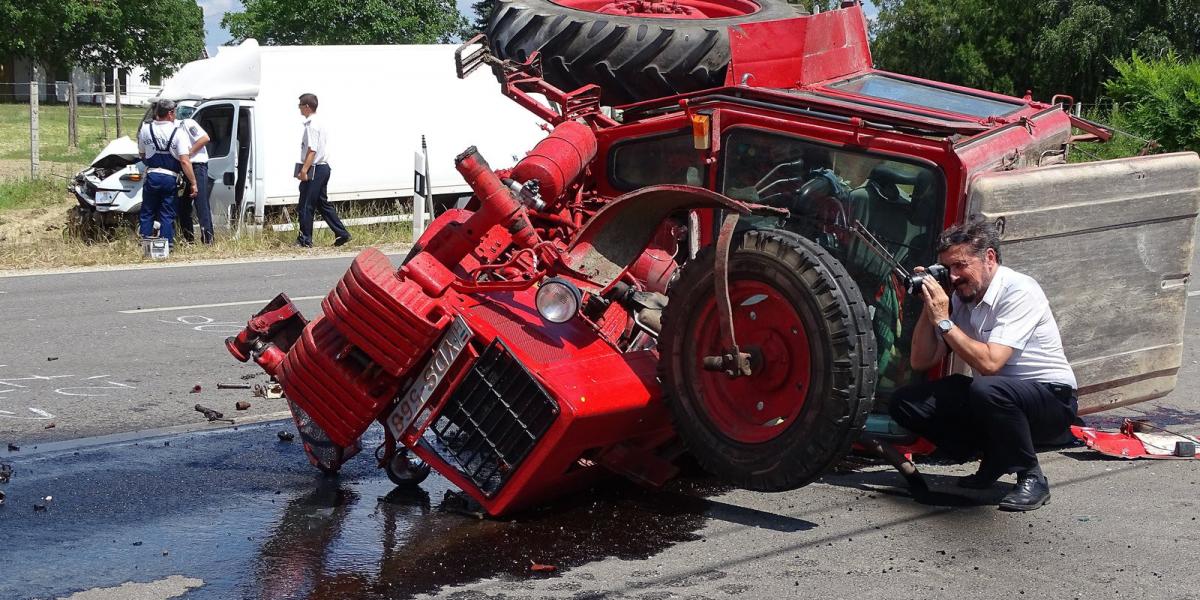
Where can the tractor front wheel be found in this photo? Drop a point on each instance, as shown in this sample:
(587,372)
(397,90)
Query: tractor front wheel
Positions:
(812,352)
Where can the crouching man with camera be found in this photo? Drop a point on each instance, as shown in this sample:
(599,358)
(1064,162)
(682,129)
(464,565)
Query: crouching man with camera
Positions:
(1023,390)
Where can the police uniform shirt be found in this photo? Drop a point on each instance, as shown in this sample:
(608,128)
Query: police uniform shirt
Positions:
(1014,312)
(315,138)
(162,132)
(194,132)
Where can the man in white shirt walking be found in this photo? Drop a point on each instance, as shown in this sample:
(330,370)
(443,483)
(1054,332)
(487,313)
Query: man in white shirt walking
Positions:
(313,173)
(1023,389)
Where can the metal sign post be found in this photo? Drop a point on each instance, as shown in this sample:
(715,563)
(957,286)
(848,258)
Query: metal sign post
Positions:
(420,189)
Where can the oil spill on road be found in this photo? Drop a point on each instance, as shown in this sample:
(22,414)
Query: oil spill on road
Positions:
(320,548)
(244,512)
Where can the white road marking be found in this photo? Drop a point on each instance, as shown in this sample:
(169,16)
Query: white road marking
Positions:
(1195,293)
(171,308)
(38,411)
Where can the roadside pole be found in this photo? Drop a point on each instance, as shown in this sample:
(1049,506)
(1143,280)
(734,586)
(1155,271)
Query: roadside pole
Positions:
(117,98)
(420,189)
(34,159)
(104,104)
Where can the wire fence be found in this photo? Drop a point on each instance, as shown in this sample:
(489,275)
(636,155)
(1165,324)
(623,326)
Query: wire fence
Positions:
(59,92)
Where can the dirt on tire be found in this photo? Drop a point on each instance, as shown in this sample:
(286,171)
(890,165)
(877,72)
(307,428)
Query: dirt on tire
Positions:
(841,354)
(631,58)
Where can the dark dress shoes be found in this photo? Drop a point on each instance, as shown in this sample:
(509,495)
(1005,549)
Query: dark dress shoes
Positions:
(1030,493)
(341,241)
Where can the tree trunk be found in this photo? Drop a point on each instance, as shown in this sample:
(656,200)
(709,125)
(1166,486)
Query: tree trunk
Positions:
(34,142)
(117,99)
(104,103)
(72,116)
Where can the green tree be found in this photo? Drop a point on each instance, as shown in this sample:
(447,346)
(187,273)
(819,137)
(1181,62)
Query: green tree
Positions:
(1158,98)
(1009,46)
(482,10)
(325,22)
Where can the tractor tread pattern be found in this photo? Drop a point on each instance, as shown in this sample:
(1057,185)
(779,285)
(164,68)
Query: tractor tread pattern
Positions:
(631,58)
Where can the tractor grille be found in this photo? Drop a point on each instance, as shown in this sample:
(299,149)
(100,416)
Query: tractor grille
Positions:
(493,420)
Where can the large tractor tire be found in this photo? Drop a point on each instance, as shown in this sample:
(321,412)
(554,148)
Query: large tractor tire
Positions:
(802,319)
(632,57)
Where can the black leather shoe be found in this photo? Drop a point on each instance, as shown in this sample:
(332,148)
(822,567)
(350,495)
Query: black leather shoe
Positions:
(341,241)
(1030,493)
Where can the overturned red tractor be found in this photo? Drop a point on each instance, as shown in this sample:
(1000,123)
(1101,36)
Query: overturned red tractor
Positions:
(716,264)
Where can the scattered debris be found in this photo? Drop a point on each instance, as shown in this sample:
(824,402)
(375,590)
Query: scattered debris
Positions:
(242,405)
(195,389)
(1,498)
(286,436)
(50,425)
(44,505)
(6,472)
(249,376)
(1139,439)
(50,358)
(233,386)
(13,448)
(138,543)
(274,390)
(211,414)
(460,503)
(540,568)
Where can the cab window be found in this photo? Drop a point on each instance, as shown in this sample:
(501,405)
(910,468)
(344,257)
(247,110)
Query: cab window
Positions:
(217,122)
(655,160)
(826,190)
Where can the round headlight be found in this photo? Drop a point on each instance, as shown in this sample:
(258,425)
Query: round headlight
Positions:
(558,300)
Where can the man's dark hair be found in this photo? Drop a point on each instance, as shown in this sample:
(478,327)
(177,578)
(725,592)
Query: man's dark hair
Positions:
(163,108)
(309,100)
(978,232)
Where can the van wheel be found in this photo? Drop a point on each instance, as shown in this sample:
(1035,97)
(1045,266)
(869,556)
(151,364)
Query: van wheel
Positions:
(631,57)
(802,319)
(406,470)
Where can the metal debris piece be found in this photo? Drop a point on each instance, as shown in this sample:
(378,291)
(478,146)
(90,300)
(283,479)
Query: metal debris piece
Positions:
(13,448)
(540,568)
(195,389)
(286,436)
(211,414)
(259,391)
(6,472)
(249,376)
(233,386)
(49,425)
(274,390)
(39,508)
(460,503)
(1,498)
(242,405)
(50,358)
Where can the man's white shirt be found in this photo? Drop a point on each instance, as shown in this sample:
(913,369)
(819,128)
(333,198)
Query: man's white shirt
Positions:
(194,132)
(161,131)
(1014,312)
(316,138)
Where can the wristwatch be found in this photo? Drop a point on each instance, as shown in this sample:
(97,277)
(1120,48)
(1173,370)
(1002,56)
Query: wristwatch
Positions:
(944,326)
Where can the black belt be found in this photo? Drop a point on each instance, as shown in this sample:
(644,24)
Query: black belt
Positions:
(1061,390)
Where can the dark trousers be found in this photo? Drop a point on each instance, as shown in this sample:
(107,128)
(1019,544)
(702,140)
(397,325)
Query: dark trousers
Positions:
(313,198)
(183,222)
(158,204)
(1002,417)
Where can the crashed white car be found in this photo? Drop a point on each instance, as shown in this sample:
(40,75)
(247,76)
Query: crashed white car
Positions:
(110,190)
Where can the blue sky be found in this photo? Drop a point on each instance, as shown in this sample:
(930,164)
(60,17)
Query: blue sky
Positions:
(215,35)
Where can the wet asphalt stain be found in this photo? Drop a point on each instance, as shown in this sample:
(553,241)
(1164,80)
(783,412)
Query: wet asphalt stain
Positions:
(244,512)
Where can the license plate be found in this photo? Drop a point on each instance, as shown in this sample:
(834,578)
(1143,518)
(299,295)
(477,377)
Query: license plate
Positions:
(445,354)
(103,197)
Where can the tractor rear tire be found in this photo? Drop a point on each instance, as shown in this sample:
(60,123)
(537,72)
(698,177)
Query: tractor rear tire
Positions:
(632,58)
(805,324)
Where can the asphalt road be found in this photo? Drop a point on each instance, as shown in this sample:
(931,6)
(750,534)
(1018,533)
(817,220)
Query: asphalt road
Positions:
(221,512)
(104,352)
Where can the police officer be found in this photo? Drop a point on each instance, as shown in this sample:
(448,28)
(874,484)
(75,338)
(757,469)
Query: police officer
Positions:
(313,173)
(198,153)
(164,151)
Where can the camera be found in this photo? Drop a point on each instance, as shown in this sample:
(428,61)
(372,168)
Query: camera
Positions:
(939,273)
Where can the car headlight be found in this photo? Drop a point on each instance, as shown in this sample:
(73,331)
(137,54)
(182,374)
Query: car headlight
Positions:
(558,300)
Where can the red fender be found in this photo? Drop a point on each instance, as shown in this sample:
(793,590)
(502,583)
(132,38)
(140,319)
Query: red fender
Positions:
(618,234)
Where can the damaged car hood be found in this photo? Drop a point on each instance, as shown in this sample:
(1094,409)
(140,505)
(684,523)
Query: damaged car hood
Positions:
(118,153)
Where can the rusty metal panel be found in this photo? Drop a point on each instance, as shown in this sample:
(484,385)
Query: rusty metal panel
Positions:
(1111,243)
